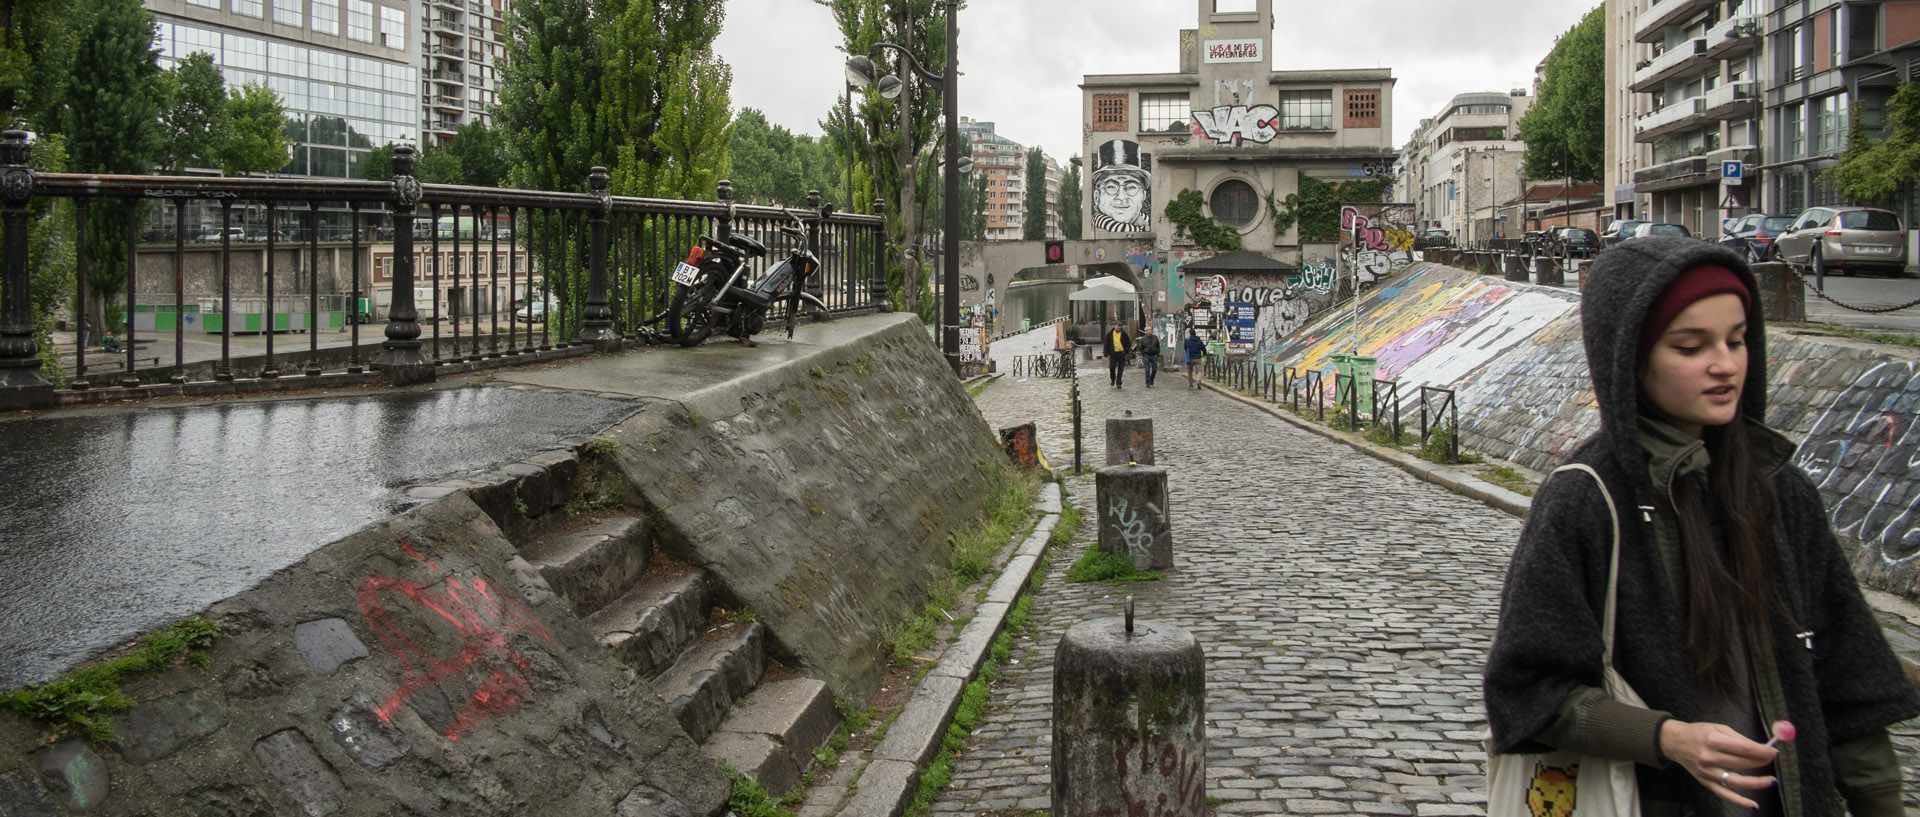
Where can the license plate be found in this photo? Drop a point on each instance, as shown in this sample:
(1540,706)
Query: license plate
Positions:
(1873,250)
(686,274)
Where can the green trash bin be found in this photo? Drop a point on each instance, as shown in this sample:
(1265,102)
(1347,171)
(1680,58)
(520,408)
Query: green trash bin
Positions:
(1361,369)
(1025,324)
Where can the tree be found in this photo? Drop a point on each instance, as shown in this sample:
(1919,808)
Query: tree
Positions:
(1070,202)
(481,152)
(377,166)
(1565,129)
(253,135)
(111,121)
(1034,227)
(194,118)
(436,165)
(1873,171)
(973,206)
(773,166)
(37,41)
(690,136)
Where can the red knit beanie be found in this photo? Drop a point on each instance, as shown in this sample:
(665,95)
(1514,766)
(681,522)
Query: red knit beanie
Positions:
(1700,282)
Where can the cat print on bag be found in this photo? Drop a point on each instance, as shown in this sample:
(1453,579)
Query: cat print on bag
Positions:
(1552,790)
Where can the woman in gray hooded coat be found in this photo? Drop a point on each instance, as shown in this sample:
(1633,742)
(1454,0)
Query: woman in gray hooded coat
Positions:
(1736,606)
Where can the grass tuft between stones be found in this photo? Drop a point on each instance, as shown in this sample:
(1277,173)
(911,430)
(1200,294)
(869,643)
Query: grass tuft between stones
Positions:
(88,699)
(1008,507)
(966,717)
(1107,568)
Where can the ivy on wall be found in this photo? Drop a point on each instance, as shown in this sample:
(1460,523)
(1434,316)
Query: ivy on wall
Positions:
(1316,206)
(1187,212)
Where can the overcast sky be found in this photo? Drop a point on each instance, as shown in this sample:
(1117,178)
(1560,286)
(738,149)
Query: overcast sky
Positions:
(1021,61)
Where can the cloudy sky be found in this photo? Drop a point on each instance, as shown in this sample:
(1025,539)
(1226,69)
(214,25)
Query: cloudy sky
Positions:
(1021,61)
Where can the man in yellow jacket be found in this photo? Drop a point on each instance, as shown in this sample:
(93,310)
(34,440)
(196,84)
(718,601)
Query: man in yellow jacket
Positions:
(1118,345)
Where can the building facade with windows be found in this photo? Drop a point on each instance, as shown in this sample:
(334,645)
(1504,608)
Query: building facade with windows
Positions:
(1004,162)
(343,69)
(1464,163)
(1231,127)
(461,45)
(1685,79)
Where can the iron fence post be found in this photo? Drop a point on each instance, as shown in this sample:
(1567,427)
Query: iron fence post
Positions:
(21,385)
(400,357)
(877,274)
(596,326)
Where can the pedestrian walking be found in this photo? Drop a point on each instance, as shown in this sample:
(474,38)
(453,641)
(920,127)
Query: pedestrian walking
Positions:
(1118,345)
(86,328)
(1735,609)
(1149,347)
(1196,351)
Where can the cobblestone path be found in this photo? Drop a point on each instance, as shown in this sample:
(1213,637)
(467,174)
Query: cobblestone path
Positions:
(1344,607)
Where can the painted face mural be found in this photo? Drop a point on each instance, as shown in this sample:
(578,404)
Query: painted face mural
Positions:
(1122,194)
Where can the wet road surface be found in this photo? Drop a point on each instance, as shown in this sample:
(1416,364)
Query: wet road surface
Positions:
(120,522)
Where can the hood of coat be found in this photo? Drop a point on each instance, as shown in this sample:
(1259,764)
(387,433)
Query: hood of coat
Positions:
(1620,289)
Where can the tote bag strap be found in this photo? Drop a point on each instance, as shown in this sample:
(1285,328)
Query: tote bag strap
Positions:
(1613,568)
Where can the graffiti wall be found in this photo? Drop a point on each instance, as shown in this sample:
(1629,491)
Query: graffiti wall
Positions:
(1511,353)
(1376,239)
(1283,304)
(1122,189)
(1236,125)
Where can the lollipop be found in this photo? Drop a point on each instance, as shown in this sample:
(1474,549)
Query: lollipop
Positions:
(1782,730)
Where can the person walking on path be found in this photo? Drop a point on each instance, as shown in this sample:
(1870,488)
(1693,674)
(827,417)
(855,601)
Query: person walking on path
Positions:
(86,328)
(1196,351)
(1150,352)
(1736,608)
(1118,346)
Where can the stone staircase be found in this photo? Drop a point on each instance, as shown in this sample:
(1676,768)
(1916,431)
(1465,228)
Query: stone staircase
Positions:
(663,621)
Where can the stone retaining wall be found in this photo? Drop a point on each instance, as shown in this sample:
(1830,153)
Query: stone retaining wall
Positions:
(1512,353)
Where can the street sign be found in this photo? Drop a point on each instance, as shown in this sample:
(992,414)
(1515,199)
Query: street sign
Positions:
(1731,170)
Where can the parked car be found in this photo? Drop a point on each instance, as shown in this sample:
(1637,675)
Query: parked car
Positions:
(1619,231)
(1577,242)
(1844,239)
(1752,235)
(212,235)
(1431,239)
(531,312)
(1664,229)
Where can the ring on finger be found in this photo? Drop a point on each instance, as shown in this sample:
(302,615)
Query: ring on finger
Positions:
(1725,777)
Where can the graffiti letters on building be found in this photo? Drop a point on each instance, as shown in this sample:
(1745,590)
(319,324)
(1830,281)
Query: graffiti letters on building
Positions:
(1376,239)
(1122,189)
(1238,124)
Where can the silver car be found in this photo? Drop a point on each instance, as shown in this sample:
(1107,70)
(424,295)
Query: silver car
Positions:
(1844,239)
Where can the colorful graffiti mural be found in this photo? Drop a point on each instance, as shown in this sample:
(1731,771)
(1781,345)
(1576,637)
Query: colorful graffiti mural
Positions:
(1375,240)
(1235,125)
(1122,189)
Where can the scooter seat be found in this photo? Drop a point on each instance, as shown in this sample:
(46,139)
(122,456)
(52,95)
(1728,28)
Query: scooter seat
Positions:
(748,246)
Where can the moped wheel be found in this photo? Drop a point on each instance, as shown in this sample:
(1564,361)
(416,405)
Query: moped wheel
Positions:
(688,320)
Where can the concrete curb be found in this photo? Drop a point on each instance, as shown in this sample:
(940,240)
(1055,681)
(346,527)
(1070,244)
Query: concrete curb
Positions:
(1905,647)
(887,785)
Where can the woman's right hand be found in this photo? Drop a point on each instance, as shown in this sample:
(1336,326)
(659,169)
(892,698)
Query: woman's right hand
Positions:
(1713,753)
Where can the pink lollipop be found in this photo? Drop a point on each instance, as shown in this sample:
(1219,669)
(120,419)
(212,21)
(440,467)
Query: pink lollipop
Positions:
(1782,730)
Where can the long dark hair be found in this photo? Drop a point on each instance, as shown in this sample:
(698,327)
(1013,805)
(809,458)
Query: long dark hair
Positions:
(1733,580)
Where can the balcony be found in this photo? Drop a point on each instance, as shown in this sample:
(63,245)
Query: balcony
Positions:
(449,50)
(447,126)
(1679,116)
(449,26)
(477,8)
(447,103)
(477,31)
(1676,60)
(1733,37)
(1648,27)
(448,75)
(1734,100)
(1689,172)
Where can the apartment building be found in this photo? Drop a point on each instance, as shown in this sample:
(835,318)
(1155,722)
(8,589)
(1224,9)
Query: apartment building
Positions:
(1004,162)
(343,69)
(461,42)
(1230,126)
(1684,99)
(1464,164)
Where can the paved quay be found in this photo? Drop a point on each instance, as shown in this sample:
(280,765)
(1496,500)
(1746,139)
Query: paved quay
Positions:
(1345,608)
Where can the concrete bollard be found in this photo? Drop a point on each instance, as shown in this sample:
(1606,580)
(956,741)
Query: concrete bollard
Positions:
(1547,272)
(1129,720)
(1515,266)
(1129,440)
(1132,503)
(1781,296)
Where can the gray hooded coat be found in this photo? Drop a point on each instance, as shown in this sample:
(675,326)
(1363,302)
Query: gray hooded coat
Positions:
(1548,643)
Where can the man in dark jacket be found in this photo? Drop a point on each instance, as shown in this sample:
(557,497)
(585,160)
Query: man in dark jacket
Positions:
(1118,346)
(1150,352)
(1817,659)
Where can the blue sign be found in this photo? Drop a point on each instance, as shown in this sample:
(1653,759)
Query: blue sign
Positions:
(1240,320)
(1731,169)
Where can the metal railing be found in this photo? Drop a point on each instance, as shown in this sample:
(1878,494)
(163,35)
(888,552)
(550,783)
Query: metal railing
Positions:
(1446,408)
(599,262)
(1391,390)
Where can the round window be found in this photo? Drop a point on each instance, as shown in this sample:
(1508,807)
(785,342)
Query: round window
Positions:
(1234,202)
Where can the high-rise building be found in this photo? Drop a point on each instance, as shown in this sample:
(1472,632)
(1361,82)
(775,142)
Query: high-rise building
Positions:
(1464,163)
(461,43)
(1004,162)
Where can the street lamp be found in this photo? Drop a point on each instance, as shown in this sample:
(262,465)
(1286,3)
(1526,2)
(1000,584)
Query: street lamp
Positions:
(861,72)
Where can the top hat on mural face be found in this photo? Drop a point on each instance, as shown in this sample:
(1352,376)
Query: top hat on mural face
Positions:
(1119,155)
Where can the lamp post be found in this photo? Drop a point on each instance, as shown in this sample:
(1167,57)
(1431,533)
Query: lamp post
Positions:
(861,73)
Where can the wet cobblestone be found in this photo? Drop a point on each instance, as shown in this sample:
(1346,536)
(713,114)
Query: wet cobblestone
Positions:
(1345,609)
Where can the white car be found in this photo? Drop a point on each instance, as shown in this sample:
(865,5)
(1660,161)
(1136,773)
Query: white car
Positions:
(531,312)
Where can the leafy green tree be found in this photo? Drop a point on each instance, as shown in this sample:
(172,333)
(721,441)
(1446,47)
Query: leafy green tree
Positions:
(1187,213)
(690,139)
(1070,202)
(37,41)
(481,153)
(435,165)
(111,120)
(194,119)
(1874,171)
(253,134)
(1034,226)
(973,206)
(378,164)
(1565,130)
(773,166)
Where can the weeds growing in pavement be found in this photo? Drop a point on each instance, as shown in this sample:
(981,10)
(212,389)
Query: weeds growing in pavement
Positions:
(1009,506)
(1509,479)
(89,698)
(1107,568)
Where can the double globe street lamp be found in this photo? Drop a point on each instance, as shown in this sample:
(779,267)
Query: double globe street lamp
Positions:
(861,72)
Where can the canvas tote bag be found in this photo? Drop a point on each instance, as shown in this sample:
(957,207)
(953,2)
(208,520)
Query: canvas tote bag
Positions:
(1564,784)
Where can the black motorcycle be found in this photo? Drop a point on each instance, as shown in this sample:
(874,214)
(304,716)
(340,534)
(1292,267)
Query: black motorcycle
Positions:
(713,288)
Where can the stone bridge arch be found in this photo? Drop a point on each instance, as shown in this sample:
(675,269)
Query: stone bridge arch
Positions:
(991,268)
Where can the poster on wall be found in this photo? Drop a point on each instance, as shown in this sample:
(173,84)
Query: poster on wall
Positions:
(1122,188)
(972,350)
(1200,316)
(1241,316)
